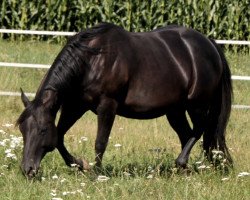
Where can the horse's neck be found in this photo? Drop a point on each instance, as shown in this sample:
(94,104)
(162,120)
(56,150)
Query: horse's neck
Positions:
(64,75)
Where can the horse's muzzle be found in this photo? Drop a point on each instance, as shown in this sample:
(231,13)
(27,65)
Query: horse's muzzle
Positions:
(29,170)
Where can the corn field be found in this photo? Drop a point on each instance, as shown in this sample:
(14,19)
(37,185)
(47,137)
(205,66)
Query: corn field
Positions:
(220,19)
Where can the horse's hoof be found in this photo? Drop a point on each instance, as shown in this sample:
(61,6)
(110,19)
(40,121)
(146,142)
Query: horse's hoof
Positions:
(81,164)
(85,165)
(181,163)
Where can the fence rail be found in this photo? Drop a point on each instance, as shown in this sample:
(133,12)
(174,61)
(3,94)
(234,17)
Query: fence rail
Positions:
(42,66)
(59,33)
(31,32)
(24,65)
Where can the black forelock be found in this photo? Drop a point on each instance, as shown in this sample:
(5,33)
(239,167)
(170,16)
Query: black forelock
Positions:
(25,114)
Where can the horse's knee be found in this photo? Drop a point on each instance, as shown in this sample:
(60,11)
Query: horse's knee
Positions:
(100,146)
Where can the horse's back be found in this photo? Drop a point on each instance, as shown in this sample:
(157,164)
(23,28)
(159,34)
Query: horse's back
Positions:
(203,60)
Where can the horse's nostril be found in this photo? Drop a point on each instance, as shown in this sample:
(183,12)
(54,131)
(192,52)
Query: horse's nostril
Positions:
(27,170)
(31,173)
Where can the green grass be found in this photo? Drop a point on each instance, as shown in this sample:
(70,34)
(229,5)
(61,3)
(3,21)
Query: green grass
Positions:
(134,157)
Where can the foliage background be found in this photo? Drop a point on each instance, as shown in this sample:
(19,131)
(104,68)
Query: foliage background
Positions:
(220,19)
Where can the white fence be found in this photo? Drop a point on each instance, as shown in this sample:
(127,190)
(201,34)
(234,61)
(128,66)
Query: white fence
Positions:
(56,33)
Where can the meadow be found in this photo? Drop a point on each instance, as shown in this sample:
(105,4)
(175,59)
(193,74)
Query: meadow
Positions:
(139,160)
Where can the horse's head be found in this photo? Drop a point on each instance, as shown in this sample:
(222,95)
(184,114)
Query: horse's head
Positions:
(37,126)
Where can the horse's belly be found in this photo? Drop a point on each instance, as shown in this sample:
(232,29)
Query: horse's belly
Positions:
(141,113)
(147,107)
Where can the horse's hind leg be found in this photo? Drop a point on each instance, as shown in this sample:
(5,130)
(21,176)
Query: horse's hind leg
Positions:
(209,141)
(198,117)
(179,123)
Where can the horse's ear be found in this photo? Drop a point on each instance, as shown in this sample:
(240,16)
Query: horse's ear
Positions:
(24,98)
(49,98)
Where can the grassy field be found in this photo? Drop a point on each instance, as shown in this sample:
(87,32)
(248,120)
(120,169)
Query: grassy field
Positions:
(141,167)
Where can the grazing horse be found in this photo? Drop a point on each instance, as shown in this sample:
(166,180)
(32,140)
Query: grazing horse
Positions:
(110,71)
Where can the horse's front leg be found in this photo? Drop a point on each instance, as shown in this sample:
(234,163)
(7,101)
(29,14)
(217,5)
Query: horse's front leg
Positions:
(69,115)
(106,112)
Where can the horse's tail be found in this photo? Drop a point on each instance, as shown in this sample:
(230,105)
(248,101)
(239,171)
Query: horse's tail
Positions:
(214,136)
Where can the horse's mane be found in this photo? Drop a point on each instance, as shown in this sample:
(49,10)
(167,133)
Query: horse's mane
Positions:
(72,61)
(94,31)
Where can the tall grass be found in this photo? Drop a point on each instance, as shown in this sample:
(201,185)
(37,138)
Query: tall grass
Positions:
(141,168)
(134,170)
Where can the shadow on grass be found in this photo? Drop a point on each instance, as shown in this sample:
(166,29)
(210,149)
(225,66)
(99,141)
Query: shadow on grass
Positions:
(161,166)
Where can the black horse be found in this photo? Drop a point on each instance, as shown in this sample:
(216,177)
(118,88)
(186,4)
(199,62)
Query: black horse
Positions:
(105,69)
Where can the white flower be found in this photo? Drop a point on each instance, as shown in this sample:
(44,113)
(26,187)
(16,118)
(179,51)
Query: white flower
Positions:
(241,174)
(79,191)
(117,145)
(126,174)
(2,143)
(11,155)
(225,179)
(53,194)
(3,132)
(56,198)
(63,180)
(65,193)
(202,167)
(82,184)
(8,151)
(102,178)
(84,139)
(55,176)
(15,142)
(150,176)
(43,179)
(7,125)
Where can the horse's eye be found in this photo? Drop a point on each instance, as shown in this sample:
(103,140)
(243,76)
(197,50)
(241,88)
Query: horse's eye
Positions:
(44,130)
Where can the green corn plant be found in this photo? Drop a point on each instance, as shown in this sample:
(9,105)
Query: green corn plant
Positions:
(224,19)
